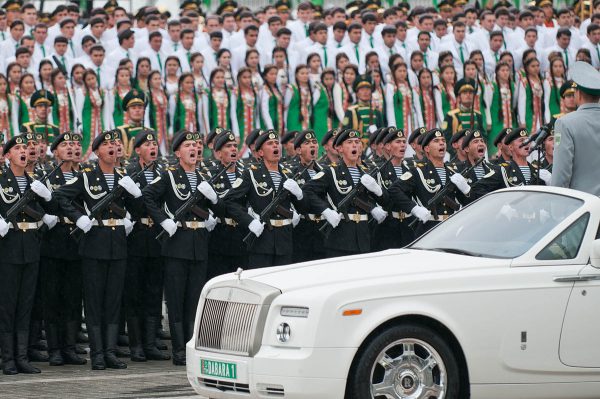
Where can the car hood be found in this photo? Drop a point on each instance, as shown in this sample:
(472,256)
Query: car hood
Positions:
(406,263)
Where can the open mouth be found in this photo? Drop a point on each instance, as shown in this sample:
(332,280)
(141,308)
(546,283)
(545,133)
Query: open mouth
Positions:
(111,153)
(233,155)
(354,152)
(23,158)
(153,153)
(276,152)
(69,153)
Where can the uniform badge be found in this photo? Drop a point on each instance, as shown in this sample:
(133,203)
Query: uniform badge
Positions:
(406,176)
(319,175)
(238,182)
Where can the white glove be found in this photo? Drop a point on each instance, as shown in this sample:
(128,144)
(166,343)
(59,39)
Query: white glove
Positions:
(371,184)
(294,188)
(50,221)
(379,214)
(210,223)
(508,212)
(546,176)
(295,219)
(170,226)
(421,213)
(332,217)
(4,227)
(84,223)
(206,189)
(461,183)
(41,190)
(256,227)
(128,226)
(128,184)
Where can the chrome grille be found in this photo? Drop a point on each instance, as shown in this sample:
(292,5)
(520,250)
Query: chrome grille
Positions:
(225,386)
(227,326)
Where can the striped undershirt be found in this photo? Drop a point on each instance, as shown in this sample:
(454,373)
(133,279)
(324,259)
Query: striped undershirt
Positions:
(311,173)
(398,170)
(526,173)
(193,179)
(231,177)
(68,175)
(276,177)
(110,180)
(22,182)
(149,175)
(442,174)
(354,173)
(479,172)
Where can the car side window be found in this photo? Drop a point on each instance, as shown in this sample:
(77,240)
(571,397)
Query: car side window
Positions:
(566,245)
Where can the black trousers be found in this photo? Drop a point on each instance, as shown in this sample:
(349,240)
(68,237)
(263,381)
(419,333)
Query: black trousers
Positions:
(422,228)
(61,290)
(256,260)
(143,296)
(221,264)
(102,290)
(17,291)
(184,280)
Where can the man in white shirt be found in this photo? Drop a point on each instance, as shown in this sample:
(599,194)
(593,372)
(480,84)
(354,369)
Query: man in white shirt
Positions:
(154,53)
(401,45)
(229,25)
(104,73)
(592,43)
(564,21)
(67,30)
(492,55)
(430,57)
(125,50)
(8,46)
(3,25)
(480,39)
(563,47)
(238,54)
(368,40)
(172,44)
(320,47)
(59,57)
(531,42)
(185,51)
(458,47)
(29,15)
(40,33)
(299,27)
(210,53)
(353,49)
(268,39)
(87,42)
(387,48)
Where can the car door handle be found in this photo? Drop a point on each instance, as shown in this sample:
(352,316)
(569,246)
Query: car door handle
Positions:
(576,278)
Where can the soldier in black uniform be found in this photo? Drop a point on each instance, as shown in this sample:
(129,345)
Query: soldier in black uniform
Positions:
(185,252)
(308,242)
(351,233)
(144,275)
(60,267)
(103,247)
(287,142)
(253,158)
(134,104)
(395,231)
(503,154)
(257,187)
(42,101)
(415,142)
(226,250)
(424,180)
(330,155)
(521,171)
(20,249)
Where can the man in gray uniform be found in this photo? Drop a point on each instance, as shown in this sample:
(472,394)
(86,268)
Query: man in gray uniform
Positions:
(577,135)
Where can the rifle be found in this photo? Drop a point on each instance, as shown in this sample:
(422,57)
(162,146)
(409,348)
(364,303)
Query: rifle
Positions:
(447,190)
(107,201)
(190,204)
(352,199)
(275,206)
(22,204)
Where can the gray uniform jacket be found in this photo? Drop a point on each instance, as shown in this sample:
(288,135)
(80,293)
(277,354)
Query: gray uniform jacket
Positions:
(577,145)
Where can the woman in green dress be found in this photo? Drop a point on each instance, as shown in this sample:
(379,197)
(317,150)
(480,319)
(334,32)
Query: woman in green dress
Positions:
(446,85)
(271,101)
(115,96)
(246,106)
(299,102)
(91,110)
(324,110)
(531,97)
(157,112)
(26,90)
(555,77)
(63,110)
(186,107)
(219,107)
(503,105)
(142,71)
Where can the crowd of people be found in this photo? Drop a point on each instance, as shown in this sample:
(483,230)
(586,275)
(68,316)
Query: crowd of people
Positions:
(155,152)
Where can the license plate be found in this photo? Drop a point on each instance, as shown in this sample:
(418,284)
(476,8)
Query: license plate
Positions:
(214,368)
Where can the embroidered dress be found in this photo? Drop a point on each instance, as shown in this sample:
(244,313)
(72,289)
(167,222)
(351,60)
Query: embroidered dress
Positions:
(92,124)
(247,112)
(120,117)
(448,98)
(501,112)
(186,113)
(299,109)
(378,102)
(532,107)
(26,113)
(158,117)
(62,110)
(325,117)
(404,107)
(6,127)
(428,109)
(219,103)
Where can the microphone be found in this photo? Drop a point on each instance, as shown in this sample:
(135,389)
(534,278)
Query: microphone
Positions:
(534,136)
(539,139)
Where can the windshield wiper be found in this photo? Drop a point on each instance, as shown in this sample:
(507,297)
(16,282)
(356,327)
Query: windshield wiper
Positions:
(456,251)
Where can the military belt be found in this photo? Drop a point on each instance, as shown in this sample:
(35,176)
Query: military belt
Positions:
(192,224)
(147,222)
(356,217)
(280,222)
(439,218)
(314,218)
(227,221)
(65,220)
(27,225)
(400,215)
(108,222)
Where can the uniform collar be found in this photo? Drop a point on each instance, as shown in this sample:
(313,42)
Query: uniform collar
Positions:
(588,105)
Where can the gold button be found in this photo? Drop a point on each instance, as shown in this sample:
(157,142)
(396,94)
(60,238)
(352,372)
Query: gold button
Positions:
(113,228)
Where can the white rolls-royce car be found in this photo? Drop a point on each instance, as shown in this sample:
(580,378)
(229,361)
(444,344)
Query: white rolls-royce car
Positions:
(500,301)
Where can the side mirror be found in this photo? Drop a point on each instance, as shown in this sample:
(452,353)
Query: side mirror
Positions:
(595,254)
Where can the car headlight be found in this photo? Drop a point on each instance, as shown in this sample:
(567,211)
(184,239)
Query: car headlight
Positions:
(294,311)
(283,332)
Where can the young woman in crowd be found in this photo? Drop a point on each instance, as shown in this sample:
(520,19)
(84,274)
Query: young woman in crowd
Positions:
(14,73)
(555,78)
(314,66)
(246,105)
(299,101)
(76,79)
(271,101)
(531,97)
(63,107)
(219,107)
(142,70)
(503,104)
(430,100)
(8,125)
(115,96)
(91,110)
(172,71)
(26,90)
(186,107)
(280,60)
(197,66)
(44,72)
(224,62)
(447,81)
(343,94)
(378,97)
(157,112)
(325,117)
(403,107)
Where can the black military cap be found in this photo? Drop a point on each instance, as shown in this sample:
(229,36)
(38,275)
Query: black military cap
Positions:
(66,136)
(374,135)
(418,132)
(227,6)
(463,85)
(567,88)
(76,137)
(501,136)
(304,136)
(144,136)
(362,81)
(289,136)
(251,138)
(225,137)
(513,134)
(41,97)
(347,134)
(381,136)
(192,5)
(12,5)
(110,6)
(329,135)
(430,135)
(282,6)
(470,135)
(393,134)
(20,139)
(265,136)
(456,136)
(183,135)
(134,97)
(213,133)
(108,135)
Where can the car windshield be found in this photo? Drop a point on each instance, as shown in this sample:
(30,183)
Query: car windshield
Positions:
(501,225)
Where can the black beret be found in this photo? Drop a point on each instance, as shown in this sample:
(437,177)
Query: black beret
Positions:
(213,133)
(418,132)
(251,138)
(134,97)
(301,137)
(264,137)
(66,136)
(374,135)
(184,135)
(108,135)
(347,134)
(289,136)
(470,136)
(329,135)
(430,135)
(501,135)
(225,137)
(513,134)
(456,136)
(144,136)
(393,134)
(20,139)
(41,97)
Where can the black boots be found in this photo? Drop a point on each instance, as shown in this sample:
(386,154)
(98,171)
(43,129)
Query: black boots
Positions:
(134,330)
(96,348)
(110,345)
(69,353)
(150,349)
(36,345)
(178,341)
(53,337)
(22,361)
(7,343)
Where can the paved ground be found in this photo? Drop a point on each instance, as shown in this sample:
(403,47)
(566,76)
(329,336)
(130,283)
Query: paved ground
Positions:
(140,380)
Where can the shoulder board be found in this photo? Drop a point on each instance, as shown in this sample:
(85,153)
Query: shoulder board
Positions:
(172,168)
(454,111)
(253,167)
(534,165)
(419,164)
(333,164)
(504,164)
(87,169)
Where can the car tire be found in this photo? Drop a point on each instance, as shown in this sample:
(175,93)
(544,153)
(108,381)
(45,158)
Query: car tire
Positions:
(388,365)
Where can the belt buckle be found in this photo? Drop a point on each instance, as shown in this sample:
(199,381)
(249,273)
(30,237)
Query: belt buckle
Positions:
(276,223)
(194,224)
(150,222)
(356,218)
(111,223)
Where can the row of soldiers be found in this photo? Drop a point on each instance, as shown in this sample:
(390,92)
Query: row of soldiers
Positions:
(153,225)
